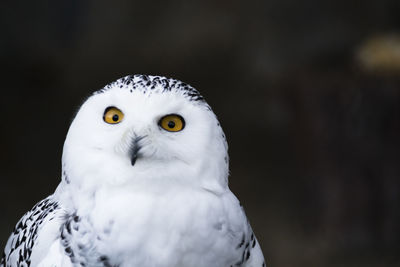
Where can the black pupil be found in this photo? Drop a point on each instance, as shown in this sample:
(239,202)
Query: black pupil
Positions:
(115,117)
(171,124)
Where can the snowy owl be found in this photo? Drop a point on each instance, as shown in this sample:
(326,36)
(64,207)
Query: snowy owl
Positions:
(144,183)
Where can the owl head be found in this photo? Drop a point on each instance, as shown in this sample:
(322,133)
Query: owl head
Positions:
(145,130)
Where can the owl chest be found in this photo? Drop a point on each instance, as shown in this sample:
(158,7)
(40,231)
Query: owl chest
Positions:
(178,229)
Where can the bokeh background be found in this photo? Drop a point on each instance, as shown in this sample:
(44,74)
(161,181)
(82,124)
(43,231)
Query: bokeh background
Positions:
(308,93)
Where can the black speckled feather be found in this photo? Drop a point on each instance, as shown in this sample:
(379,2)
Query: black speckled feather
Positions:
(25,233)
(147,83)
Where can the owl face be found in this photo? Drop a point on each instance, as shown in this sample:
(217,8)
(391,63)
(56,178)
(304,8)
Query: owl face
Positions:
(145,128)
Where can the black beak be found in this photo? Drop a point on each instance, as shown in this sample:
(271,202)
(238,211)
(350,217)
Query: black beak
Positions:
(134,156)
(135,147)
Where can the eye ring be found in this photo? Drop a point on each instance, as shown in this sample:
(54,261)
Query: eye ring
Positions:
(113,115)
(172,123)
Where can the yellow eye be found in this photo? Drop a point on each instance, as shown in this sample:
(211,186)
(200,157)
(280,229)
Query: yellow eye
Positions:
(172,123)
(112,115)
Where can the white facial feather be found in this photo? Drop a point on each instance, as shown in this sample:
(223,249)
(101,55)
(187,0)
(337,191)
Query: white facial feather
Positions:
(195,155)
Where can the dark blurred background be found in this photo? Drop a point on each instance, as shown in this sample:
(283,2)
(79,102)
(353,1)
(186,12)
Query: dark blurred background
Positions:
(308,93)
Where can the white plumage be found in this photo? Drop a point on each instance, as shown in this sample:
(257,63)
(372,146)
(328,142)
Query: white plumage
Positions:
(144,183)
